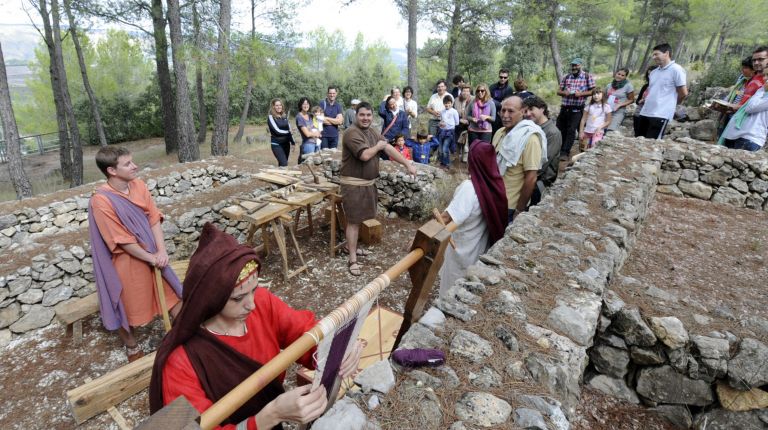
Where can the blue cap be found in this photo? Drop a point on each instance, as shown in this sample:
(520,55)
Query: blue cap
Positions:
(577,60)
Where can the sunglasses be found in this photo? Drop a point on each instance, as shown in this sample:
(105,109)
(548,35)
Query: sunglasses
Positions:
(503,77)
(480,91)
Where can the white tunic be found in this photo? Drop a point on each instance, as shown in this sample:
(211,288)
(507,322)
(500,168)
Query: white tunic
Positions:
(471,237)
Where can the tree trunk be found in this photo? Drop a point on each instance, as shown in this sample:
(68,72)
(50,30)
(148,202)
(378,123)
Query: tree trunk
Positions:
(590,56)
(453,40)
(617,57)
(720,44)
(167,104)
(65,152)
(83,71)
(646,55)
(553,46)
(709,47)
(630,63)
(413,10)
(202,110)
(188,149)
(679,45)
(249,87)
(74,129)
(11,135)
(219,142)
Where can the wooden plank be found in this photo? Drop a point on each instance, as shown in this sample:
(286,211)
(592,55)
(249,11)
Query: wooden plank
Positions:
(72,311)
(95,397)
(115,414)
(275,179)
(77,331)
(178,415)
(234,212)
(284,172)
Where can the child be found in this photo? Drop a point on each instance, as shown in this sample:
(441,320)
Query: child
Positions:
(449,119)
(422,147)
(596,117)
(400,146)
(318,116)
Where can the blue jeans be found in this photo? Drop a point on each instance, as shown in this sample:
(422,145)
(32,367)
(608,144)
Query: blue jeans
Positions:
(329,142)
(742,143)
(446,138)
(307,147)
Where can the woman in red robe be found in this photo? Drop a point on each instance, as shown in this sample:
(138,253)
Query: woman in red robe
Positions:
(223,335)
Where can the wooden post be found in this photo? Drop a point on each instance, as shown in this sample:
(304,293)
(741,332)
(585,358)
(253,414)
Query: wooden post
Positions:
(432,238)
(161,299)
(370,232)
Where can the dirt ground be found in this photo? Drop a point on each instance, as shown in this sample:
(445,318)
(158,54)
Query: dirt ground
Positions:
(710,257)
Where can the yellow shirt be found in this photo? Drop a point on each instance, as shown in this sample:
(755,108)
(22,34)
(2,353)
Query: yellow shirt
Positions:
(529,160)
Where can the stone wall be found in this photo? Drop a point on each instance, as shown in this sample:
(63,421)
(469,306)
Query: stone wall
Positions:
(525,315)
(715,173)
(57,273)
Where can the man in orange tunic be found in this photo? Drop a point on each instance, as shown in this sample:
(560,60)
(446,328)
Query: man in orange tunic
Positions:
(127,292)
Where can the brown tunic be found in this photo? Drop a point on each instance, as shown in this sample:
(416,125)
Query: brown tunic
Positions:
(359,202)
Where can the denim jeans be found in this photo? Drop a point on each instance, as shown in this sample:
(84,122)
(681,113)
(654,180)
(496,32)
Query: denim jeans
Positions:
(446,144)
(742,143)
(307,147)
(329,142)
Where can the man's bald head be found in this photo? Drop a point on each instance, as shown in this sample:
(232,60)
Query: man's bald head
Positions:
(511,111)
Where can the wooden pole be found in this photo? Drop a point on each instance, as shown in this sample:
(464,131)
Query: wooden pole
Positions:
(161,299)
(222,409)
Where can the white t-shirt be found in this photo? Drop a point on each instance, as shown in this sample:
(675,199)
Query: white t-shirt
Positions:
(662,91)
(411,106)
(436,102)
(449,118)
(471,236)
(755,125)
(596,116)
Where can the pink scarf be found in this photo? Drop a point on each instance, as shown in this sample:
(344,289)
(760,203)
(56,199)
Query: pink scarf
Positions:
(481,109)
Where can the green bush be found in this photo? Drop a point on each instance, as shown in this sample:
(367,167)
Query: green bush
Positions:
(720,74)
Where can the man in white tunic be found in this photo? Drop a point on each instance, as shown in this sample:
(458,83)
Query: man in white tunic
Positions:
(479,207)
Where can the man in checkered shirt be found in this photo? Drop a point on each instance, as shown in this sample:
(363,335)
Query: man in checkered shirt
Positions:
(574,89)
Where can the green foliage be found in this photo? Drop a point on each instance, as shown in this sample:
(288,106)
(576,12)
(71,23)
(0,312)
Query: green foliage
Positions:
(721,74)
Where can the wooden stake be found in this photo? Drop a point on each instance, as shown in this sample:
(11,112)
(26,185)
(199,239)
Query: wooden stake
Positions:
(439,218)
(161,299)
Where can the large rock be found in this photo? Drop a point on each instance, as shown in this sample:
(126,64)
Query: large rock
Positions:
(529,419)
(38,316)
(717,177)
(669,177)
(713,355)
(615,387)
(482,409)
(721,419)
(419,336)
(9,314)
(18,286)
(748,368)
(56,295)
(704,130)
(665,385)
(8,220)
(578,324)
(610,361)
(471,346)
(629,324)
(376,377)
(737,400)
(729,196)
(549,407)
(646,356)
(670,331)
(696,189)
(344,415)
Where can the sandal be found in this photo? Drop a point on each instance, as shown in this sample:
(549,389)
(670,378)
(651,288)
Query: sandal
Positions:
(133,353)
(354,268)
(360,252)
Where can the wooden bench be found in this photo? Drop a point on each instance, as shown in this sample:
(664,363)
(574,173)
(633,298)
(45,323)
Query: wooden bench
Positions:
(71,313)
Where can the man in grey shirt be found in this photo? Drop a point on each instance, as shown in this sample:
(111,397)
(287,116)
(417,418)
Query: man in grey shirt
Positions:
(537,111)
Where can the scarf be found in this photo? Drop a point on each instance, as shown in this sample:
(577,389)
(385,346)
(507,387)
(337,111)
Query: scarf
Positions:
(213,272)
(108,282)
(737,120)
(513,144)
(616,85)
(479,108)
(489,187)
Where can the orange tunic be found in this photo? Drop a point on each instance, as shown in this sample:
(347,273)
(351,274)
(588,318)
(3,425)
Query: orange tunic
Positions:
(139,295)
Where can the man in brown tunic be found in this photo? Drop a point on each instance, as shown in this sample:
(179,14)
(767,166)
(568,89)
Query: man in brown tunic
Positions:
(359,169)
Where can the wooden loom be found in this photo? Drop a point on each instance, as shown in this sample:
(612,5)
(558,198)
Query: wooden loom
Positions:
(422,262)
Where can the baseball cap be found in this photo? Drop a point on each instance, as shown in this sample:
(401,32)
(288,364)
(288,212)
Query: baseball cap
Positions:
(577,60)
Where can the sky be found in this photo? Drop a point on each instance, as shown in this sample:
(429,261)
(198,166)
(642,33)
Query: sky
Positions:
(376,19)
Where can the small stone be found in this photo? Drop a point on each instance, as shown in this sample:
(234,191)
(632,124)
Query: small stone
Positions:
(31,296)
(419,336)
(19,286)
(701,319)
(57,295)
(573,323)
(646,356)
(721,419)
(630,325)
(548,407)
(485,379)
(729,196)
(661,294)
(678,415)
(70,266)
(507,337)
(5,338)
(696,189)
(471,346)
(9,314)
(610,361)
(482,409)
(433,318)
(670,331)
(344,415)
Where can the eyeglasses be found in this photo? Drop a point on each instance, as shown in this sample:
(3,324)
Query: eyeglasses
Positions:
(503,77)
(480,91)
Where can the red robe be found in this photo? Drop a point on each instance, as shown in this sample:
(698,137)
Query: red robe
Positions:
(271,327)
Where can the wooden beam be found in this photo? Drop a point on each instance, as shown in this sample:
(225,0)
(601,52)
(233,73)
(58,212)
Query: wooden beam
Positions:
(115,414)
(95,397)
(74,310)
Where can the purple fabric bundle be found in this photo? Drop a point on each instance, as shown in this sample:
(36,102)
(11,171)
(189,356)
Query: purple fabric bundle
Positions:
(419,357)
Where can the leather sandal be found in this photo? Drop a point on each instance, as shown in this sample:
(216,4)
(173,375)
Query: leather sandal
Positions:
(354,268)
(360,252)
(134,353)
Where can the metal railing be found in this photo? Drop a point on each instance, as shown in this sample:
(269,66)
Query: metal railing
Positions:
(33,144)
